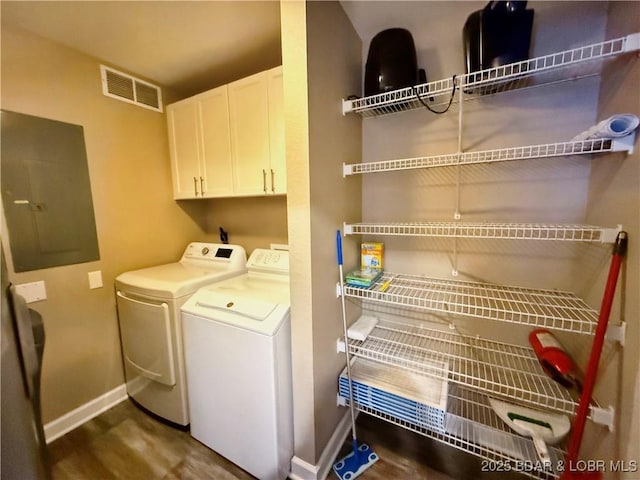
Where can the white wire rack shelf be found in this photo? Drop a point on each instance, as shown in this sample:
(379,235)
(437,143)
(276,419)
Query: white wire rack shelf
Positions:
(528,152)
(512,231)
(472,426)
(553,309)
(502,370)
(547,69)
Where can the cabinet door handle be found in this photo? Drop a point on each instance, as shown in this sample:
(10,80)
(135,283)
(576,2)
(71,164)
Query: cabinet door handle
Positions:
(273,182)
(201,185)
(195,186)
(264,180)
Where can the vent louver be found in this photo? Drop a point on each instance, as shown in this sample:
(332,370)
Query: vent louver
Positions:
(129,89)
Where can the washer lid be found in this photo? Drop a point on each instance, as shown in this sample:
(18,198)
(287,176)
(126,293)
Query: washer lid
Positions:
(259,316)
(250,308)
(173,280)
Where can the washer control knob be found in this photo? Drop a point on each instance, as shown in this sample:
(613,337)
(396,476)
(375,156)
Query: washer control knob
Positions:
(205,250)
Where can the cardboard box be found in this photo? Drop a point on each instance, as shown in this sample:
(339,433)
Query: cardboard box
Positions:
(371,255)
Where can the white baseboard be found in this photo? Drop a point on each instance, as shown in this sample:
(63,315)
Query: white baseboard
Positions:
(301,470)
(64,424)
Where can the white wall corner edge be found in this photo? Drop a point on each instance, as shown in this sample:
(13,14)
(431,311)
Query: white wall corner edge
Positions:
(64,424)
(301,470)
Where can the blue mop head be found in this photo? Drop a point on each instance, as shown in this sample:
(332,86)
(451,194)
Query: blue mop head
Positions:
(355,463)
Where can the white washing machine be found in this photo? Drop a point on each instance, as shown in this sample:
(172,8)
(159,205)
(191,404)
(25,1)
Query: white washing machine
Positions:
(237,336)
(149,302)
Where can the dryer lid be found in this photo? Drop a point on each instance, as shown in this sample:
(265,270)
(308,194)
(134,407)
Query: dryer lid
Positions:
(173,280)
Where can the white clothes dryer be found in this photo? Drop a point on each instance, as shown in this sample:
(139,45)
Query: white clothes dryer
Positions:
(149,302)
(237,336)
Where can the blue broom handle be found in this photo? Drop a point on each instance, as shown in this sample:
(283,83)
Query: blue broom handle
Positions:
(352,407)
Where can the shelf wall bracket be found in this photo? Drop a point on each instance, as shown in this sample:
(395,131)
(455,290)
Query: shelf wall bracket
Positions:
(604,416)
(624,144)
(338,290)
(347,106)
(632,42)
(346,169)
(609,235)
(341,401)
(617,333)
(340,348)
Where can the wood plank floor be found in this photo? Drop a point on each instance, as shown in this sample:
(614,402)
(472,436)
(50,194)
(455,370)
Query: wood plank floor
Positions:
(125,443)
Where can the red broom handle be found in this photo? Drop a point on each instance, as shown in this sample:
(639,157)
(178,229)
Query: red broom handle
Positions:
(619,250)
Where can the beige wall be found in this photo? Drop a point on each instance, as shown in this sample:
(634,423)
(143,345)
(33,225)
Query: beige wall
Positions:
(614,196)
(137,221)
(321,60)
(253,222)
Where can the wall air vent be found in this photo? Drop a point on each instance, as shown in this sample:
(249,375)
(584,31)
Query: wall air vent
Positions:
(129,89)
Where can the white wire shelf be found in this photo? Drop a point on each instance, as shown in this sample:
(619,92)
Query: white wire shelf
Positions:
(553,309)
(561,66)
(513,231)
(502,370)
(472,426)
(528,152)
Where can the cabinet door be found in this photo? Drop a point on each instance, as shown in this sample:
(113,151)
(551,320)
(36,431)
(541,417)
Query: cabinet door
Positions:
(216,169)
(249,114)
(182,119)
(278,165)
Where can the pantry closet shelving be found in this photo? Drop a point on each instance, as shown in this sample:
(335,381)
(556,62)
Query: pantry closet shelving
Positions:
(475,368)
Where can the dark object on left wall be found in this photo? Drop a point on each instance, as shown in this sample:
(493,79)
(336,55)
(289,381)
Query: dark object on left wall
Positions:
(391,62)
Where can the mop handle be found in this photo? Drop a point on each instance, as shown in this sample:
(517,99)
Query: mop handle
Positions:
(346,340)
(582,411)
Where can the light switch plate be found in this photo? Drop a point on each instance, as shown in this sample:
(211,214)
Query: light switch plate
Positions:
(32,292)
(95,279)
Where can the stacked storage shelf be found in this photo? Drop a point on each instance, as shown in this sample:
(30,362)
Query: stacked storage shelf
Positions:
(461,372)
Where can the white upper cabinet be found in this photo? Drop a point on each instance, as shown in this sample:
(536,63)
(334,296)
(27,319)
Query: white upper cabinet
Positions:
(216,143)
(257,134)
(229,141)
(182,119)
(200,145)
(278,167)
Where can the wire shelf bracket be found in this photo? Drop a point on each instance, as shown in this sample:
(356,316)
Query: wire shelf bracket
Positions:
(604,416)
(617,333)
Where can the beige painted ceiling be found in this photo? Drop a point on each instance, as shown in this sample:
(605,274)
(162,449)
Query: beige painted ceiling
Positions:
(189,46)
